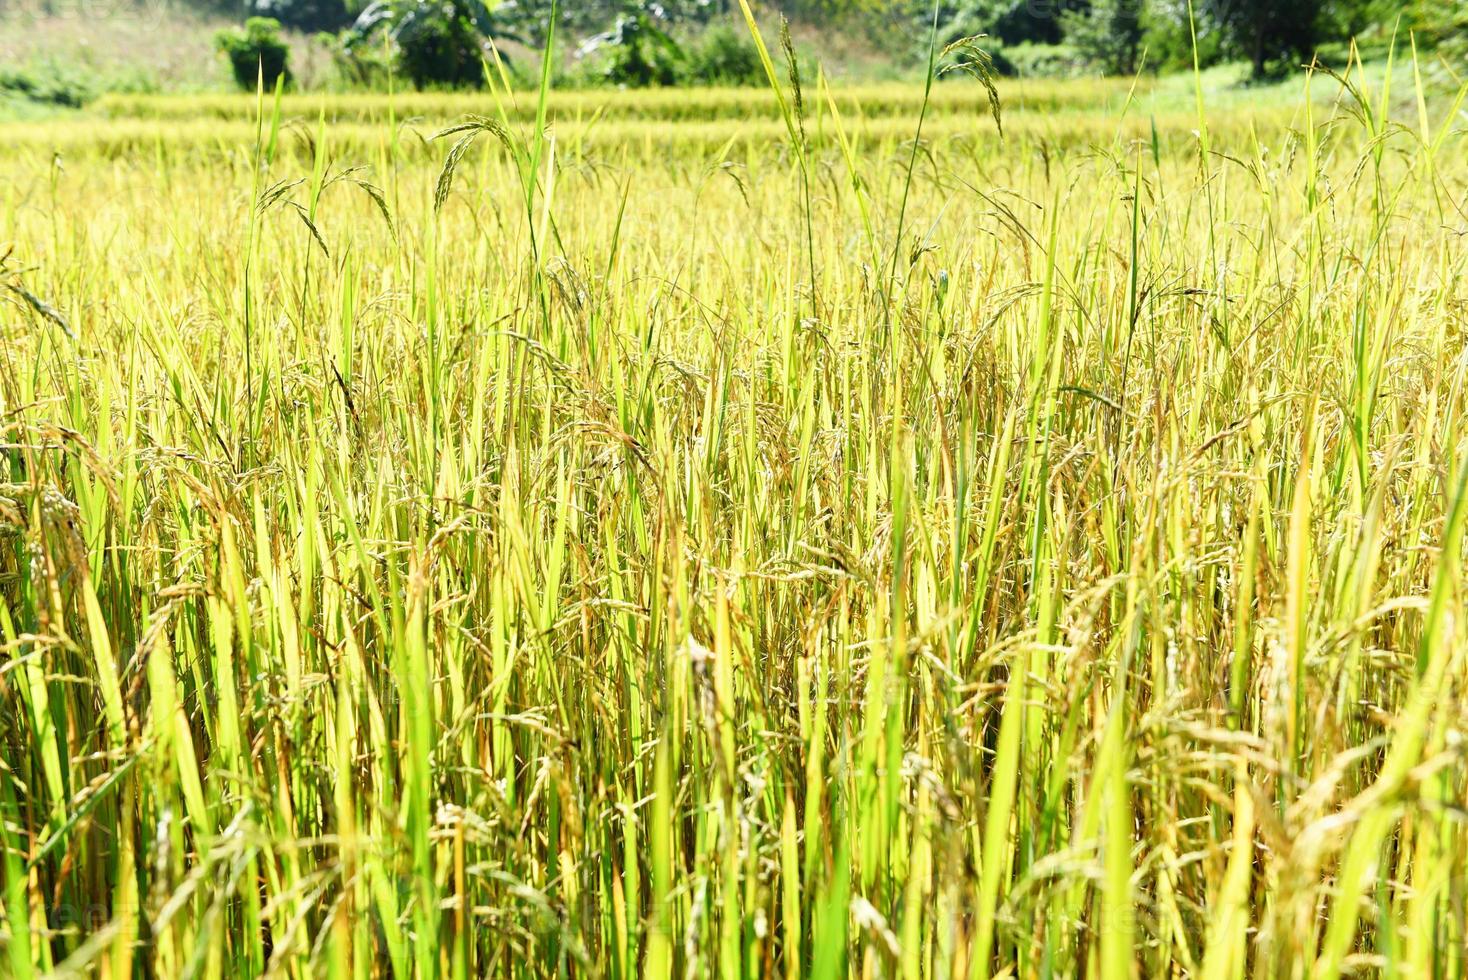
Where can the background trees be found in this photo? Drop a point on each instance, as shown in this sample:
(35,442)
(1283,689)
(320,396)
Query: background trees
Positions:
(1272,36)
(1109,35)
(1271,33)
(647,42)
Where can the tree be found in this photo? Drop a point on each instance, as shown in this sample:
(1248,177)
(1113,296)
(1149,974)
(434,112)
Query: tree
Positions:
(1444,26)
(437,42)
(1008,21)
(1270,32)
(640,51)
(1108,34)
(304,15)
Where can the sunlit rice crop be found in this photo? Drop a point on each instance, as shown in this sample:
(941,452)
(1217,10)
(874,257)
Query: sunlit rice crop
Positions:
(660,544)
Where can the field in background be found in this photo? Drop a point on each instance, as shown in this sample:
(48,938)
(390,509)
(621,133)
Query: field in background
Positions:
(672,542)
(702,123)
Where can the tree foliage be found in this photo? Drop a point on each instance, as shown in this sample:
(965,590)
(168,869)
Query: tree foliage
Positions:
(645,47)
(436,42)
(255,52)
(1270,35)
(1109,34)
(304,15)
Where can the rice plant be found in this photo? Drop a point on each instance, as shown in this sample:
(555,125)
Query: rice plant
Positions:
(654,544)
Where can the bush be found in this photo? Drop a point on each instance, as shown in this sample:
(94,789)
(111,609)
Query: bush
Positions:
(47,84)
(724,56)
(442,51)
(640,53)
(435,43)
(256,52)
(359,63)
(1169,44)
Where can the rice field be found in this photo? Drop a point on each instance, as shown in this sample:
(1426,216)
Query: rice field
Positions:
(714,535)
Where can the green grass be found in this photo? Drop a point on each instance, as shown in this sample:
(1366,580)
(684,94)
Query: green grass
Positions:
(1037,556)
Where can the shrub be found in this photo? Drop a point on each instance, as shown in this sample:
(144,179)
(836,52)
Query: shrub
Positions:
(640,53)
(359,63)
(256,52)
(47,84)
(436,43)
(724,56)
(442,51)
(1169,44)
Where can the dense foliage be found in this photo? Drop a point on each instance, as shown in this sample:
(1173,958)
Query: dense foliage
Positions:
(642,50)
(1271,35)
(1109,34)
(436,43)
(661,42)
(256,52)
(47,84)
(305,15)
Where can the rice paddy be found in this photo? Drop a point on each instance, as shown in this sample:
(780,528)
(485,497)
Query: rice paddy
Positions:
(714,535)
